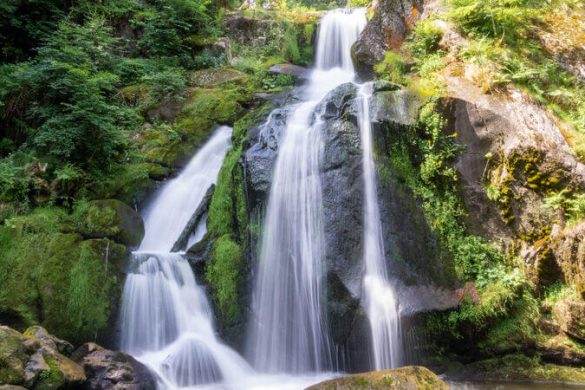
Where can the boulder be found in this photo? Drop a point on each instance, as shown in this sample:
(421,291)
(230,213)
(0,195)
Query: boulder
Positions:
(570,315)
(48,340)
(213,77)
(35,362)
(13,356)
(111,218)
(107,369)
(405,378)
(291,70)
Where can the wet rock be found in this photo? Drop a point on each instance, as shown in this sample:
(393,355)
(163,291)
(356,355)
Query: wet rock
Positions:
(107,369)
(336,102)
(388,28)
(261,157)
(570,315)
(404,225)
(405,378)
(193,222)
(243,29)
(111,218)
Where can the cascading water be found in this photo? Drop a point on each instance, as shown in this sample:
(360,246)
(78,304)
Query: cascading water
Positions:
(288,332)
(380,301)
(166,321)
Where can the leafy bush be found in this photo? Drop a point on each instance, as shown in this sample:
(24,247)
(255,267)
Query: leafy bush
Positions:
(573,205)
(502,19)
(425,38)
(392,68)
(168,83)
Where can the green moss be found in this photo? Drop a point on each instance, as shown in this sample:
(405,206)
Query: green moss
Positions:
(53,379)
(227,224)
(54,278)
(518,367)
(12,357)
(224,274)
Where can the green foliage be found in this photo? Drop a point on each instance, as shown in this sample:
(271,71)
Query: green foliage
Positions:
(424,39)
(227,224)
(573,205)
(502,42)
(560,291)
(169,23)
(502,19)
(392,68)
(358,3)
(423,161)
(168,83)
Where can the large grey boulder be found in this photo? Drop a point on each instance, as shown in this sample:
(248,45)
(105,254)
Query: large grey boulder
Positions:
(112,370)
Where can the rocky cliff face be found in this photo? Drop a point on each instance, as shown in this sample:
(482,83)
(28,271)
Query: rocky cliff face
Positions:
(420,271)
(388,28)
(517,149)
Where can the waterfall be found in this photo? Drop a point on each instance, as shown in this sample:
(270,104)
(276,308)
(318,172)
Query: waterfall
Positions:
(380,301)
(166,320)
(288,331)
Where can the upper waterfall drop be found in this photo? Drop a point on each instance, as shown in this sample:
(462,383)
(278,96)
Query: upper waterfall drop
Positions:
(289,331)
(338,31)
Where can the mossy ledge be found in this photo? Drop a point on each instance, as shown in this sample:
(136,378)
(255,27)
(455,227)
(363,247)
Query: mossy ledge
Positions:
(227,226)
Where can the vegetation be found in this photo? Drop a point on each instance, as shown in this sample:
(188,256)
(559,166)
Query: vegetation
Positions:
(228,226)
(50,275)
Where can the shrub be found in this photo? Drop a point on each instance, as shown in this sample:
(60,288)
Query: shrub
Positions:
(425,38)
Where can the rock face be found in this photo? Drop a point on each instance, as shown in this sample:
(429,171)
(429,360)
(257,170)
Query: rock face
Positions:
(111,218)
(570,316)
(568,248)
(392,21)
(33,360)
(405,378)
(112,369)
(411,264)
(516,148)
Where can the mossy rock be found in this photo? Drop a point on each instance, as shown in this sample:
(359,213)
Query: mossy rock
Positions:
(33,362)
(80,285)
(13,356)
(517,367)
(111,218)
(214,77)
(57,279)
(40,333)
(411,378)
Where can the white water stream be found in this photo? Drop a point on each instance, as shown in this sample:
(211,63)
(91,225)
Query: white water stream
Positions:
(166,321)
(289,332)
(380,301)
